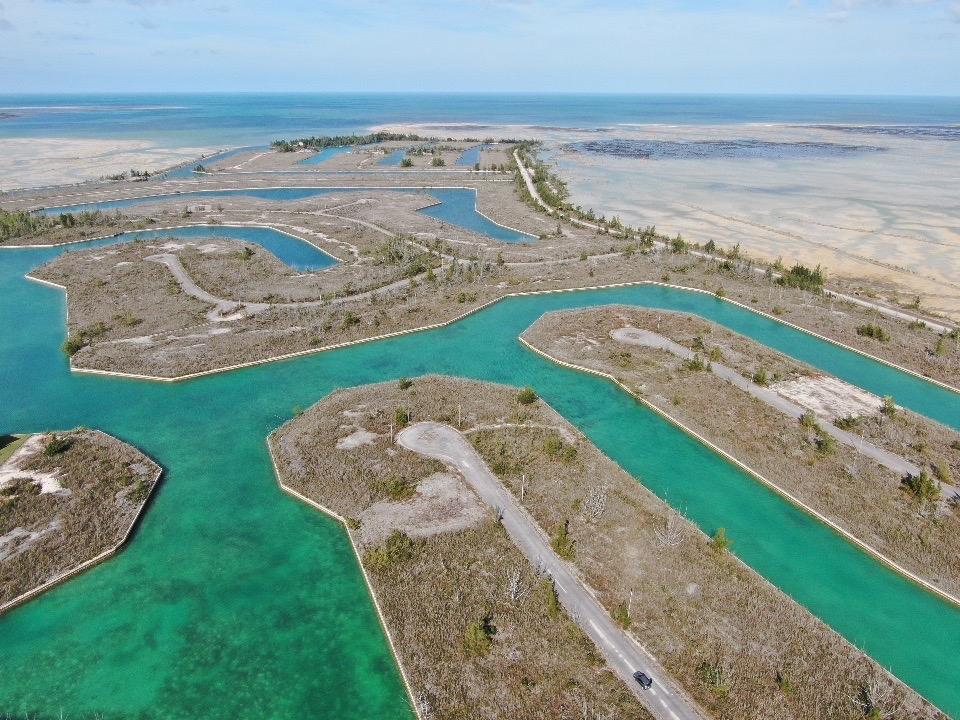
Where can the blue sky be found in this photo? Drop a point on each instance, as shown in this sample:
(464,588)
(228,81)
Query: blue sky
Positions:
(779,46)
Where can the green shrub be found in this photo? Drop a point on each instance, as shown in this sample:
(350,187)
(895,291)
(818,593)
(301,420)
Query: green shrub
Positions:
(406,162)
(621,616)
(809,420)
(826,444)
(401,417)
(873,331)
(438,161)
(398,488)
(720,542)
(923,487)
(74,344)
(889,407)
(783,682)
(56,445)
(850,422)
(694,364)
(478,638)
(713,675)
(550,599)
(803,277)
(716,354)
(396,549)
(527,396)
(760,377)
(942,472)
(556,448)
(404,383)
(562,543)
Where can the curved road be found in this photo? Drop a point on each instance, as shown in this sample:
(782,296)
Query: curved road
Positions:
(664,700)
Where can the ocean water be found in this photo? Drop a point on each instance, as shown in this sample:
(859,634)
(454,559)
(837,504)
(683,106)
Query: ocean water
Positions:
(229,120)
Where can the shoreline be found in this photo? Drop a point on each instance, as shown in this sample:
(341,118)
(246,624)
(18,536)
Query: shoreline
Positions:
(414,705)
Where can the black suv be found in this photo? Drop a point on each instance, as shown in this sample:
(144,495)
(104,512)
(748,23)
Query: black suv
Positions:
(642,678)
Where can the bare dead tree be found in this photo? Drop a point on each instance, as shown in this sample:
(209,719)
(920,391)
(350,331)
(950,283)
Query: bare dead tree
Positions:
(873,700)
(424,705)
(671,535)
(516,588)
(596,502)
(855,467)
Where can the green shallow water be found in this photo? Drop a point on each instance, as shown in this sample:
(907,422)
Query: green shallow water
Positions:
(233,600)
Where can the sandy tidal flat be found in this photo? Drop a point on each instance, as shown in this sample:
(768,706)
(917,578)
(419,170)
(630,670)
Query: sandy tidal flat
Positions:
(877,204)
(33,162)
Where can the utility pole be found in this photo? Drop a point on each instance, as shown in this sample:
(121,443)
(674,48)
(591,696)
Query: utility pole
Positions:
(459,416)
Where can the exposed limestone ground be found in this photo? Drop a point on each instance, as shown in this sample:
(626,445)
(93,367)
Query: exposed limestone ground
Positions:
(738,645)
(65,498)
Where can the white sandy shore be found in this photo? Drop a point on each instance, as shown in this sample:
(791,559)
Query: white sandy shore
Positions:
(33,162)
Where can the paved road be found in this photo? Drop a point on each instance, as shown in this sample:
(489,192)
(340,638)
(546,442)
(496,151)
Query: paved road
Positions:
(664,700)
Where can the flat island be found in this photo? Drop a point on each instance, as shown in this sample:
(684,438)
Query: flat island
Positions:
(67,500)
(477,629)
(880,471)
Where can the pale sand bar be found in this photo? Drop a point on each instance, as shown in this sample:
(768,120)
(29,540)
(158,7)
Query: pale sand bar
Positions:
(35,162)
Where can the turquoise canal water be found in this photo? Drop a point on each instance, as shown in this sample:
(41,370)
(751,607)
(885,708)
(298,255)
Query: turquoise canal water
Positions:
(325,154)
(458,206)
(393,159)
(186,171)
(297,254)
(233,600)
(471,156)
